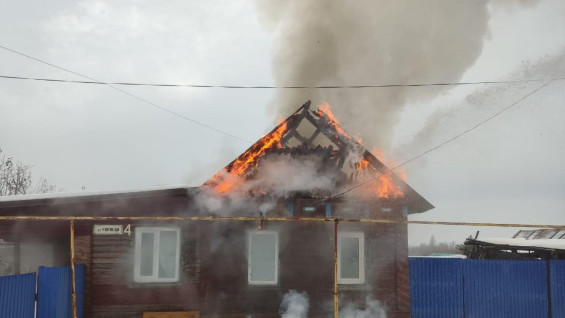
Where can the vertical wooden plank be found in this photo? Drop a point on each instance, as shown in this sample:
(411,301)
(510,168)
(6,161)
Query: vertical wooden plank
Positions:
(402,271)
(73,289)
(83,255)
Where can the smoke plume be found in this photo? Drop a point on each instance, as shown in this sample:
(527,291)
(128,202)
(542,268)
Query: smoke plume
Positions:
(482,103)
(370,42)
(294,305)
(372,309)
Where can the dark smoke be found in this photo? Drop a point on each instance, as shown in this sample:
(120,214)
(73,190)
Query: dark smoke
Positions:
(370,42)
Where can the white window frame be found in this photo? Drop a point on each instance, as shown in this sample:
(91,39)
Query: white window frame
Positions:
(361,237)
(250,247)
(156,231)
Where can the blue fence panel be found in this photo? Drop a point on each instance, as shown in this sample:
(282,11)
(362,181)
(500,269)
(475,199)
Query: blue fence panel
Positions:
(557,283)
(54,292)
(436,288)
(502,288)
(17,296)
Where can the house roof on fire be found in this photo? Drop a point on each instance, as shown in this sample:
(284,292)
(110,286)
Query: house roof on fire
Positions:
(309,135)
(305,135)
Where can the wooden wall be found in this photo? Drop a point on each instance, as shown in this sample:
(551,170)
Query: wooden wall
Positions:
(115,294)
(305,264)
(214,261)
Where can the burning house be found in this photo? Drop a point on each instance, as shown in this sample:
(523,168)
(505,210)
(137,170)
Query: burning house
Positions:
(306,208)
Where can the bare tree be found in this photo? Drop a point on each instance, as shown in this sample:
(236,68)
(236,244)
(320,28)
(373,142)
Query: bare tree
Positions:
(16,178)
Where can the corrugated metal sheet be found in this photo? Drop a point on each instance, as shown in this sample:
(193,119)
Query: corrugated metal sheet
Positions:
(502,288)
(557,283)
(17,296)
(436,288)
(54,292)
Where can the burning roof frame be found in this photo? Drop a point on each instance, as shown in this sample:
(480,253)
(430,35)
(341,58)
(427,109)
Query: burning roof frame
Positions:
(277,142)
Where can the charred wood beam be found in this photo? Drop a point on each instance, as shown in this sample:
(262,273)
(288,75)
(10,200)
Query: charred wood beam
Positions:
(376,163)
(314,135)
(326,129)
(302,139)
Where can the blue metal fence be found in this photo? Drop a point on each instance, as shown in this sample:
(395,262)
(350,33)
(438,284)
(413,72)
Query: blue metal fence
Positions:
(441,287)
(505,288)
(557,283)
(17,296)
(438,283)
(54,292)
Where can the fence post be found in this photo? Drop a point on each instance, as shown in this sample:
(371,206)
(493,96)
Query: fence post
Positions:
(73,287)
(336,299)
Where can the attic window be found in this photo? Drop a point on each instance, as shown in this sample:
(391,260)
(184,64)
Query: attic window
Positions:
(263,258)
(351,257)
(156,256)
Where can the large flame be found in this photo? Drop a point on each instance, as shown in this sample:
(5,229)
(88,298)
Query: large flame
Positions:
(233,175)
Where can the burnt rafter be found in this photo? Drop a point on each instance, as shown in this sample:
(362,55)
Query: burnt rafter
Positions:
(289,138)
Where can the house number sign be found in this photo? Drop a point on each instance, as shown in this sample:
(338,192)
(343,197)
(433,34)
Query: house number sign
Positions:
(106,229)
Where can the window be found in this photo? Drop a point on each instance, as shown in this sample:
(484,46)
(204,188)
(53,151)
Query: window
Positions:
(263,258)
(351,258)
(157,252)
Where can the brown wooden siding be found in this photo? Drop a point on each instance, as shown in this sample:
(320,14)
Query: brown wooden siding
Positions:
(305,265)
(115,294)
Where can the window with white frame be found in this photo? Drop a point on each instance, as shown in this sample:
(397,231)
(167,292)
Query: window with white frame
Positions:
(157,256)
(263,258)
(351,257)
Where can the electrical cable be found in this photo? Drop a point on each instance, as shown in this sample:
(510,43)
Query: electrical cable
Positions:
(129,94)
(389,170)
(56,80)
(94,81)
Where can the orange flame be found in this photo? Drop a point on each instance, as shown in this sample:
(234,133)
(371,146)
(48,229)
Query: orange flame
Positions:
(325,111)
(228,179)
(383,185)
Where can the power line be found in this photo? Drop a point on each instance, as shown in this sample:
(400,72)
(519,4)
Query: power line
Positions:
(95,81)
(56,80)
(440,144)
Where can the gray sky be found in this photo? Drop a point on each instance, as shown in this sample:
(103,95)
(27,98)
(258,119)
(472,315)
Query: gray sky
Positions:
(509,170)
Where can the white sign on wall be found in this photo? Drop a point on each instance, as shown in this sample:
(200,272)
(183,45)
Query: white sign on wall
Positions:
(106,229)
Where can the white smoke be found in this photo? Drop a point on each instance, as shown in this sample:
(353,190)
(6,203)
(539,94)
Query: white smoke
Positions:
(482,103)
(284,175)
(294,305)
(279,176)
(372,309)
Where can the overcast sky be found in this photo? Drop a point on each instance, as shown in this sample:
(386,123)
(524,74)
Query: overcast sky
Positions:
(509,170)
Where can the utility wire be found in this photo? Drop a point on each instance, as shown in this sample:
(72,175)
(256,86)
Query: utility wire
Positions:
(441,144)
(56,80)
(94,81)
(111,85)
